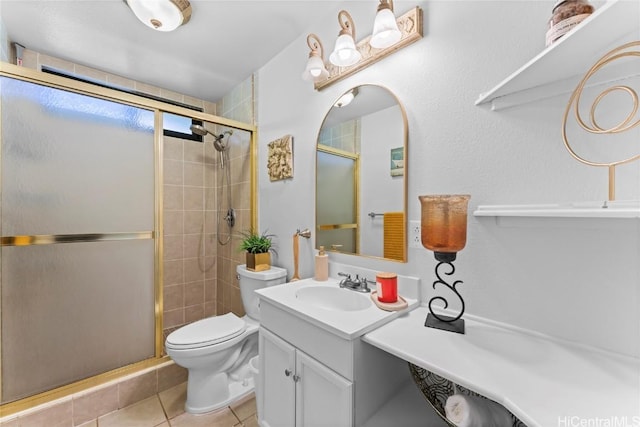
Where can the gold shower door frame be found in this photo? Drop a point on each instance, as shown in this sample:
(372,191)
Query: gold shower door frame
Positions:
(158,107)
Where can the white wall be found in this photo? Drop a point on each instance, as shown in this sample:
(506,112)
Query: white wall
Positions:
(380,192)
(576,279)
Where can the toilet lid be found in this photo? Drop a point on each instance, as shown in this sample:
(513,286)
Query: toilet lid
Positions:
(209,331)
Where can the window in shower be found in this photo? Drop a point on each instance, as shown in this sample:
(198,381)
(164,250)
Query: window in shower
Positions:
(78,221)
(174,125)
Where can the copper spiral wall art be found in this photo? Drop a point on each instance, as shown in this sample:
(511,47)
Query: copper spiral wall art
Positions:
(625,52)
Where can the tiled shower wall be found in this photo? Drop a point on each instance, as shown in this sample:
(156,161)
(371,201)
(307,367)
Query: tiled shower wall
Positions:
(189,254)
(344,136)
(237,105)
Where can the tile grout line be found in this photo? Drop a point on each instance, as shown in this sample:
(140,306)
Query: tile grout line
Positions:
(235,415)
(164,410)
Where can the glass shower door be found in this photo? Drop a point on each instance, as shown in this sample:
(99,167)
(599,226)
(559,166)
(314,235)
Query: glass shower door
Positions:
(77,256)
(337,223)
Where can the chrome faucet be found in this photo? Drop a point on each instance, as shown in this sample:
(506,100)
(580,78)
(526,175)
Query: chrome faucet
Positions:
(358,284)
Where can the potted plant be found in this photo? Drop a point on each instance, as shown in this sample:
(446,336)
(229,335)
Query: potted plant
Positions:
(257,247)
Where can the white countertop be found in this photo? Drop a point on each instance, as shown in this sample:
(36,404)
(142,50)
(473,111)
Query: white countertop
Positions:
(545,382)
(345,324)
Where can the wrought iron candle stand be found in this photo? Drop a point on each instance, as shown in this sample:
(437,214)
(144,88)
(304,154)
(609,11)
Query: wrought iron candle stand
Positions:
(444,231)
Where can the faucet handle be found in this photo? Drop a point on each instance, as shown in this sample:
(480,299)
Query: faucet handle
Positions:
(365,284)
(347,275)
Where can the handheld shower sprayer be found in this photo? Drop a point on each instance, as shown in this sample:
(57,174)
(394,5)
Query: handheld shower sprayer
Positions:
(222,148)
(218,142)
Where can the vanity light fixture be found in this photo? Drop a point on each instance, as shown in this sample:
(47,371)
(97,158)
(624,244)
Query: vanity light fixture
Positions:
(161,15)
(349,57)
(345,53)
(315,70)
(444,231)
(385,28)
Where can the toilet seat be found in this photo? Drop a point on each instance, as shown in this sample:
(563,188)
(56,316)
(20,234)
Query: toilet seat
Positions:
(207,332)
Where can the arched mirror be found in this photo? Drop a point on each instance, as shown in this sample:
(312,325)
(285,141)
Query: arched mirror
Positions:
(361,182)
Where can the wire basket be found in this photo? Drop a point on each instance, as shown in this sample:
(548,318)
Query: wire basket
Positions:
(437,389)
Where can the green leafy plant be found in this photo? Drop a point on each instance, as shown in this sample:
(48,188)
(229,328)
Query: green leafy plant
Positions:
(256,243)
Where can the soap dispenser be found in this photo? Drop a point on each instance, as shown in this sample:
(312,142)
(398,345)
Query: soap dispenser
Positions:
(322,265)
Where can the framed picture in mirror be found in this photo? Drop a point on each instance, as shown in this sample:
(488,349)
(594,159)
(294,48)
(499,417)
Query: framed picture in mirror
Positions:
(397,161)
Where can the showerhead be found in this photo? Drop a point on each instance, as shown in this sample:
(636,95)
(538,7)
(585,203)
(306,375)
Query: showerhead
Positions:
(217,142)
(199,130)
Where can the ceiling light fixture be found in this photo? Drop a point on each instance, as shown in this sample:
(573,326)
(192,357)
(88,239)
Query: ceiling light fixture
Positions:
(315,70)
(346,99)
(345,53)
(161,15)
(385,27)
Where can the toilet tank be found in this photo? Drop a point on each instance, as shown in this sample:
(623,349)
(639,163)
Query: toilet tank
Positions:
(252,280)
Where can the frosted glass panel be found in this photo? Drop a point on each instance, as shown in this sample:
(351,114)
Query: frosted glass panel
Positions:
(345,238)
(74,164)
(71,311)
(336,176)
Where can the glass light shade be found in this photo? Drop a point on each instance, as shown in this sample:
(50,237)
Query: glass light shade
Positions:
(385,30)
(345,99)
(315,71)
(345,53)
(444,223)
(161,15)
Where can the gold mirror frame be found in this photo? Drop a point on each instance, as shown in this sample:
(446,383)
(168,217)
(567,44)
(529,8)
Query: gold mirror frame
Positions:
(400,240)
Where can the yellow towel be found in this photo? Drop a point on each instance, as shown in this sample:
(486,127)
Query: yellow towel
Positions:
(394,242)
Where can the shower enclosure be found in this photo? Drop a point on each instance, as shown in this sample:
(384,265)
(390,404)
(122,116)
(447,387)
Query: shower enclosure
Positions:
(82,252)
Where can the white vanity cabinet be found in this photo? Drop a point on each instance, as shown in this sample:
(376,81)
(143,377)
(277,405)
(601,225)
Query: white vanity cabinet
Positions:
(313,376)
(297,390)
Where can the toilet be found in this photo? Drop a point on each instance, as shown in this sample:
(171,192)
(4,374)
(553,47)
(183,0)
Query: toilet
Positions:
(217,350)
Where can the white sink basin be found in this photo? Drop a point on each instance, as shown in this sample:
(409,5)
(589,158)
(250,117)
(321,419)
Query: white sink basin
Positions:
(335,299)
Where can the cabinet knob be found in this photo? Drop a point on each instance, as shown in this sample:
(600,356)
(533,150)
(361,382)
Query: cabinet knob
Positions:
(287,372)
(296,378)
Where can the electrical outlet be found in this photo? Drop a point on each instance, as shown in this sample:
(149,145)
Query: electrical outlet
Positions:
(415,239)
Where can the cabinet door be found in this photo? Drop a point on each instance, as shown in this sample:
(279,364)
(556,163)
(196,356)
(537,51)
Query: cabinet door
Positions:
(276,396)
(323,398)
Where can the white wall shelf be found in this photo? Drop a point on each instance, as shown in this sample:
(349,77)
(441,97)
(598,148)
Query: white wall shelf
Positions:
(541,380)
(558,68)
(615,209)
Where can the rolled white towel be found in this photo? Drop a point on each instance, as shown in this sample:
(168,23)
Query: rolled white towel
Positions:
(476,411)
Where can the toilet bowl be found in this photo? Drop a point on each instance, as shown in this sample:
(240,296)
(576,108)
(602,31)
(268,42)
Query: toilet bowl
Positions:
(216,351)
